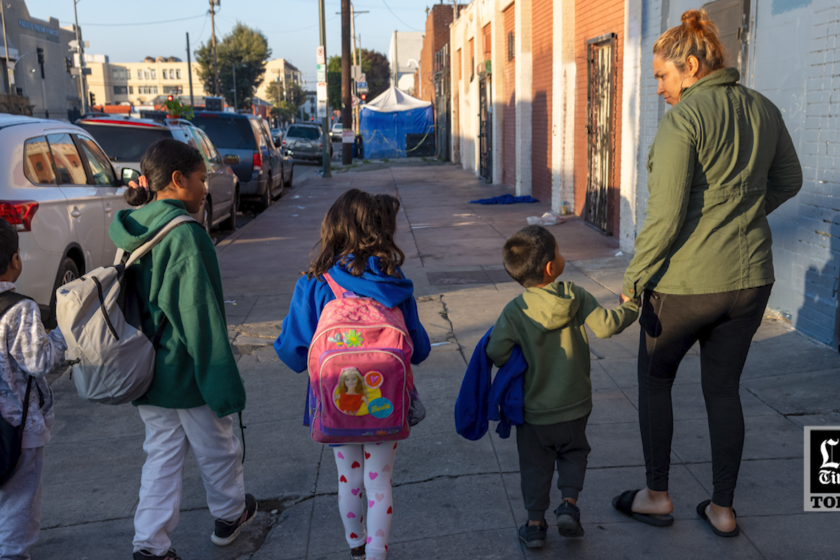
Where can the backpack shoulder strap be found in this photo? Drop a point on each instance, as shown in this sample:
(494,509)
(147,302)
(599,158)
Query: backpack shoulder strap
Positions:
(338,291)
(149,245)
(9,299)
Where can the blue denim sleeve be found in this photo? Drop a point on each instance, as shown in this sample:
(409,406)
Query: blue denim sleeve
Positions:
(418,335)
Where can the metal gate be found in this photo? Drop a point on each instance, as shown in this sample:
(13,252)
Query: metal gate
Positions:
(485,129)
(600,103)
(442,103)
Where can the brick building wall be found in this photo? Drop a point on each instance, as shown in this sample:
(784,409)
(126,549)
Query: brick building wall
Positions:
(437,36)
(509,102)
(594,18)
(542,30)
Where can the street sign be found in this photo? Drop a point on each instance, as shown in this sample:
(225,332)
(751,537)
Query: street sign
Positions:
(355,72)
(76,71)
(356,101)
(361,78)
(322,110)
(322,91)
(322,72)
(348,136)
(75,44)
(361,86)
(320,57)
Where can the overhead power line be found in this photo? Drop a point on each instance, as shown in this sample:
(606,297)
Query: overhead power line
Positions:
(398,17)
(141,23)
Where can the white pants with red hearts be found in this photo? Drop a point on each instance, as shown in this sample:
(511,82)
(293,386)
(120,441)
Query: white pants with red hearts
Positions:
(364,489)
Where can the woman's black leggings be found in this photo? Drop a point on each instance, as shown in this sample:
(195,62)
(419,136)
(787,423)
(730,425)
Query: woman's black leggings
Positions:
(724,323)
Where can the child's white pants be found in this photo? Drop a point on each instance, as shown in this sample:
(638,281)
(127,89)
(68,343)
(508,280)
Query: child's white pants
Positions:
(20,506)
(170,433)
(364,490)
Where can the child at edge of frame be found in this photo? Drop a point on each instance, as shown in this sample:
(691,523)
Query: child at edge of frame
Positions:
(27,355)
(358,251)
(547,321)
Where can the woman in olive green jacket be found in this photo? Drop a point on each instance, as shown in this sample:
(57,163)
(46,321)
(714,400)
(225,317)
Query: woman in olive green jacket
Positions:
(722,161)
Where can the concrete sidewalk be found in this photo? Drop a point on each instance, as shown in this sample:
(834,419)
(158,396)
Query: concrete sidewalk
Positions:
(453,498)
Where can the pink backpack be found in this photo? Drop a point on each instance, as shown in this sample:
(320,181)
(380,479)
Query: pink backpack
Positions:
(359,371)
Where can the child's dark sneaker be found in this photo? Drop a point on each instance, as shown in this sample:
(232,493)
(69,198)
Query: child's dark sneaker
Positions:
(568,520)
(227,531)
(533,536)
(146,555)
(358,553)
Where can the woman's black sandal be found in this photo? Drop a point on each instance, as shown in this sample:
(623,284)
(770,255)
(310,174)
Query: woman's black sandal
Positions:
(701,511)
(624,504)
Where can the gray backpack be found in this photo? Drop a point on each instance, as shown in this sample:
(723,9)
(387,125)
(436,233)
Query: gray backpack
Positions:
(113,361)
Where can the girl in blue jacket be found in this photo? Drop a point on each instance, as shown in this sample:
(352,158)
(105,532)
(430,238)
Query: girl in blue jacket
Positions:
(357,249)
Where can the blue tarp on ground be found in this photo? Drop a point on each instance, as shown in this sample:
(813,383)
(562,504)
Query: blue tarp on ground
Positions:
(385,121)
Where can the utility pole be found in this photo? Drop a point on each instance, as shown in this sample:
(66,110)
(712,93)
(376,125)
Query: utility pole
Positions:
(396,58)
(9,70)
(346,102)
(213,4)
(43,81)
(355,57)
(189,70)
(325,156)
(82,81)
(235,104)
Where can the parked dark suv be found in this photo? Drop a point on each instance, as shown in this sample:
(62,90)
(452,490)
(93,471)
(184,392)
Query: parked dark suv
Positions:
(261,166)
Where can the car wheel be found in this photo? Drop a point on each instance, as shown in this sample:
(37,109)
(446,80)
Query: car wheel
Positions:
(68,272)
(265,199)
(207,220)
(230,223)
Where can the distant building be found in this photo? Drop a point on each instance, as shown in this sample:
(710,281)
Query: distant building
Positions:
(407,45)
(142,83)
(279,70)
(435,41)
(26,34)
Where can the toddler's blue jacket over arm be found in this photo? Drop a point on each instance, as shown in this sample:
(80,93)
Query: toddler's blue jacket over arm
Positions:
(480,401)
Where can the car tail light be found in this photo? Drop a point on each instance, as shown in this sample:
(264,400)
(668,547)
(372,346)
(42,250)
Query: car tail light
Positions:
(258,162)
(284,142)
(19,213)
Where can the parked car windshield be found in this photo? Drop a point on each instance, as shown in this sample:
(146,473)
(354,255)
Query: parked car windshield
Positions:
(125,143)
(227,133)
(306,132)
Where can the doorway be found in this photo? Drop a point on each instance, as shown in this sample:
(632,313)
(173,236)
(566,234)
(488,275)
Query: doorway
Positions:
(485,128)
(600,108)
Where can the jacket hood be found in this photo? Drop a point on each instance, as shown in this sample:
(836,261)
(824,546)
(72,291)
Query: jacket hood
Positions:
(131,228)
(551,307)
(374,283)
(722,77)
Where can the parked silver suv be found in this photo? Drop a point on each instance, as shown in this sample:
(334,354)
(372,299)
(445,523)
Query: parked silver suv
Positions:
(61,193)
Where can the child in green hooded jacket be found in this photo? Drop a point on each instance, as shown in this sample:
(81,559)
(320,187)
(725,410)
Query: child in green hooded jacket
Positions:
(197,385)
(547,322)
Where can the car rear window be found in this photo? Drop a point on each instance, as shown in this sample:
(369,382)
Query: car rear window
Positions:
(125,143)
(227,133)
(306,132)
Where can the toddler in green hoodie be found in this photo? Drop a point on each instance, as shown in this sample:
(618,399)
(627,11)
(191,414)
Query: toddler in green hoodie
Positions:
(547,322)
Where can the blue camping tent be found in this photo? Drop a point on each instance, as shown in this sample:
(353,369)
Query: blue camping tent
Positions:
(386,120)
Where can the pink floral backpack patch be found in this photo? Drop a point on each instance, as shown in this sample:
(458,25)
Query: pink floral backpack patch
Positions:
(359,371)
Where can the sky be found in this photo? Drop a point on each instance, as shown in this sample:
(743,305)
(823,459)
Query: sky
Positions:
(291,26)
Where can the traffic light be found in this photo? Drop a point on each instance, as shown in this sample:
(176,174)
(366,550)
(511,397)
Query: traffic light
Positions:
(92,98)
(40,55)
(68,64)
(169,98)
(364,97)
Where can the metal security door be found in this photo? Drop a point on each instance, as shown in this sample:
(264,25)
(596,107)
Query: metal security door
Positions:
(485,130)
(600,69)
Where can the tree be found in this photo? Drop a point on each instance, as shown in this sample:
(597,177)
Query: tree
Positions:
(291,92)
(244,47)
(376,69)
